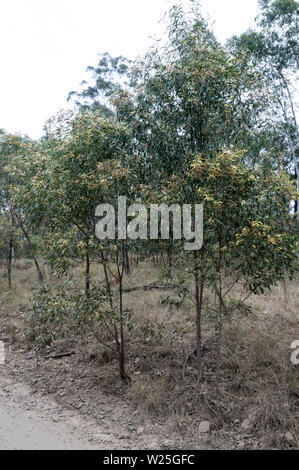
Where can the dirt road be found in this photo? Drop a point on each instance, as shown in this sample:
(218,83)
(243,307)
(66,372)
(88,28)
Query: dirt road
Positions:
(28,421)
(22,430)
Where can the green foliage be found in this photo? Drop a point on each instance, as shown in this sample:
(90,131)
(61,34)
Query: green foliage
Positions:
(272,50)
(96,96)
(62,182)
(187,124)
(63,310)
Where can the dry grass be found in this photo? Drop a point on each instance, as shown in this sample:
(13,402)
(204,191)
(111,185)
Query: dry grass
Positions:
(258,380)
(258,383)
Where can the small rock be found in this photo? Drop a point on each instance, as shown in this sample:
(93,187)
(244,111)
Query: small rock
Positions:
(140,430)
(204,427)
(246,424)
(289,437)
(166,443)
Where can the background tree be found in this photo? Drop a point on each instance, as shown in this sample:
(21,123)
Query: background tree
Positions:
(273,51)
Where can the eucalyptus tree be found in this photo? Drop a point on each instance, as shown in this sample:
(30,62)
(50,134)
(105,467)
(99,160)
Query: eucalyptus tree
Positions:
(15,232)
(189,103)
(107,76)
(273,51)
(187,95)
(67,176)
(190,97)
(249,233)
(8,232)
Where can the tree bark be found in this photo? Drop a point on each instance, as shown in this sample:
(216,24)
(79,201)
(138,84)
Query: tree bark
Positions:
(292,147)
(87,271)
(9,262)
(199,287)
(120,270)
(127,262)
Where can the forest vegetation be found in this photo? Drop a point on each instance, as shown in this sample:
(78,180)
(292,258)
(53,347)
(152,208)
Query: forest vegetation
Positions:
(187,335)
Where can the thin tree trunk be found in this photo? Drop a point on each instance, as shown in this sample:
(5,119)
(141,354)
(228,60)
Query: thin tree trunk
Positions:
(199,287)
(109,295)
(87,271)
(9,262)
(296,207)
(169,254)
(163,260)
(119,342)
(39,272)
(292,148)
(219,340)
(122,369)
(290,100)
(127,262)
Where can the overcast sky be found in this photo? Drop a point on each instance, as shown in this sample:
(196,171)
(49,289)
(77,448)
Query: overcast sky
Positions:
(46,45)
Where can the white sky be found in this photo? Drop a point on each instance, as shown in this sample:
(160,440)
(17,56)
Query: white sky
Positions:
(46,45)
